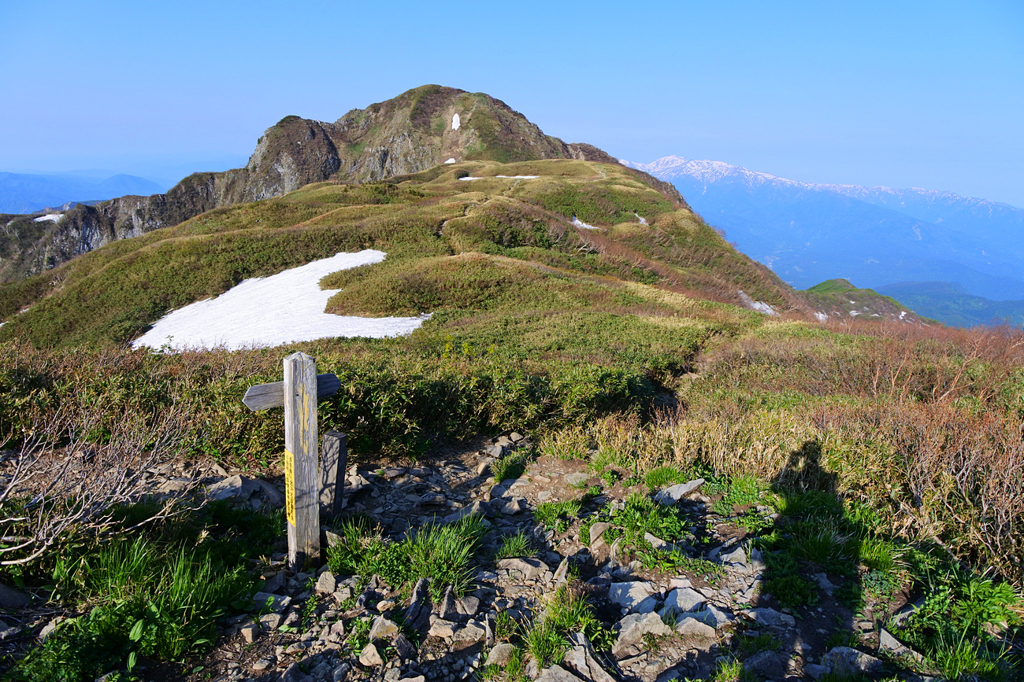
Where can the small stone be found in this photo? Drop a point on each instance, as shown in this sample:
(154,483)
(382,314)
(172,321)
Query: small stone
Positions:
(249,633)
(270,621)
(846,661)
(404,648)
(631,631)
(576,480)
(370,657)
(262,664)
(670,496)
(48,629)
(447,608)
(468,605)
(383,629)
(768,663)
(770,617)
(524,568)
(556,673)
(297,647)
(635,596)
(442,628)
(500,654)
(326,583)
(274,602)
(470,633)
(684,599)
(695,629)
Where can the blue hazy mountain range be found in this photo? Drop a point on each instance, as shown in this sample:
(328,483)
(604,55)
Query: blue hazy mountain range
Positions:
(872,236)
(29,193)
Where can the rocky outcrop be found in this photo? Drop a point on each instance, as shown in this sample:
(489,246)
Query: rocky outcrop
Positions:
(413,132)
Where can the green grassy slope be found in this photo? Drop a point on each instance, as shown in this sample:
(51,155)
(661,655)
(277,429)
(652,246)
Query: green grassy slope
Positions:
(841,299)
(445,239)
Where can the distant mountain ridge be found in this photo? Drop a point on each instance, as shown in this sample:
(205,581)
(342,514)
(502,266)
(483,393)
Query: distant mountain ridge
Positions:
(30,193)
(420,129)
(873,236)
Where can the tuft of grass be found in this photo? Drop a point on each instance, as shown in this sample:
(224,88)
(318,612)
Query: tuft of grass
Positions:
(762,641)
(663,477)
(512,465)
(517,545)
(567,612)
(441,553)
(558,516)
(156,595)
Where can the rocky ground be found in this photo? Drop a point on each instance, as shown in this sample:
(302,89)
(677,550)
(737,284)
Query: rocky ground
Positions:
(665,625)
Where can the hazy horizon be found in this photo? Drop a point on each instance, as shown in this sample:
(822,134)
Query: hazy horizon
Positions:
(915,95)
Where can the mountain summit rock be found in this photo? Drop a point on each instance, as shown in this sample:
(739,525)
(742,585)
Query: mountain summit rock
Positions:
(420,129)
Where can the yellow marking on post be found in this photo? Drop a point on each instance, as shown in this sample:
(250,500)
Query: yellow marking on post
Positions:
(289,486)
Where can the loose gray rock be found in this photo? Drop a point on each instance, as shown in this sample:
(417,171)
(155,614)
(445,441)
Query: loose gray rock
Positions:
(447,608)
(500,654)
(770,664)
(556,673)
(326,583)
(418,612)
(843,660)
(771,617)
(526,568)
(888,643)
(635,597)
(577,479)
(479,508)
(270,621)
(442,628)
(597,530)
(383,629)
(631,631)
(275,602)
(583,662)
(670,496)
(468,605)
(695,630)
(294,674)
(684,599)
(470,633)
(404,648)
(370,657)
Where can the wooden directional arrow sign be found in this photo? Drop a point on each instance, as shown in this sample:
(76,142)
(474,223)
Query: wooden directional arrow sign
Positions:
(298,394)
(266,396)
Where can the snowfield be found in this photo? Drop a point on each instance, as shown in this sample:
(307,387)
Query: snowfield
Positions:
(285,308)
(52,217)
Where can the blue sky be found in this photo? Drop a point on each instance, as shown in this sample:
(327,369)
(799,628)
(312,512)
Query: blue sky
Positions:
(927,94)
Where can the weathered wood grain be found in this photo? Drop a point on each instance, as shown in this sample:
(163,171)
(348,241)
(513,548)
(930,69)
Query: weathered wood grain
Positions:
(267,396)
(300,440)
(333,454)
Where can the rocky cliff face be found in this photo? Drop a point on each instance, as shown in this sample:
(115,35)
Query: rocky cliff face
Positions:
(417,130)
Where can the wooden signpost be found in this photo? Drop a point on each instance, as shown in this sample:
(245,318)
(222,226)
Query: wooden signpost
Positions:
(298,394)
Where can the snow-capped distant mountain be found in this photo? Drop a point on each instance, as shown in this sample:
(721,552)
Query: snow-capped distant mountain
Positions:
(873,236)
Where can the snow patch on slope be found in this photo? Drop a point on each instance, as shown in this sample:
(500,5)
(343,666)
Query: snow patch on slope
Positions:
(285,308)
(579,223)
(52,217)
(456,122)
(759,306)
